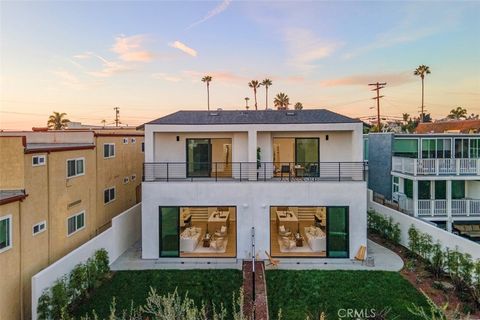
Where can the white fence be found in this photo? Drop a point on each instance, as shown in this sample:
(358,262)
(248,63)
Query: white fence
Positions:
(445,238)
(124,232)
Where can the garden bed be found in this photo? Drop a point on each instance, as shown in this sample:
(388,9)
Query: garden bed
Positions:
(207,286)
(308,293)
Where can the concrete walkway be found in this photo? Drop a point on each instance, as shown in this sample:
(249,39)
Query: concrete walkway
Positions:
(384,259)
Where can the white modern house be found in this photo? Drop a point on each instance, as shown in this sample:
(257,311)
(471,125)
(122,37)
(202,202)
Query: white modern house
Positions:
(219,183)
(433,176)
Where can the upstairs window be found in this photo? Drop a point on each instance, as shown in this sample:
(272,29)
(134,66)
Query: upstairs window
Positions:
(133,140)
(405,148)
(395,184)
(133,177)
(125,140)
(75,167)
(108,195)
(126,180)
(39,227)
(5,233)
(108,150)
(143,146)
(76,223)
(38,161)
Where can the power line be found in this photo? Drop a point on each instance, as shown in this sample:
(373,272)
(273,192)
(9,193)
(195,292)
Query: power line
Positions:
(377,88)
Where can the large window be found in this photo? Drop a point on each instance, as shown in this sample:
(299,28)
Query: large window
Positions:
(424,190)
(461,147)
(337,232)
(408,188)
(458,189)
(190,232)
(75,167)
(405,148)
(436,148)
(307,155)
(108,150)
(474,149)
(5,233)
(76,223)
(440,189)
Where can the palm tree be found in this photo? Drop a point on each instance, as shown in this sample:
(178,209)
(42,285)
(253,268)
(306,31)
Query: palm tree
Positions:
(255,85)
(421,71)
(281,101)
(458,113)
(246,102)
(267,83)
(298,106)
(207,80)
(104,122)
(405,117)
(57,121)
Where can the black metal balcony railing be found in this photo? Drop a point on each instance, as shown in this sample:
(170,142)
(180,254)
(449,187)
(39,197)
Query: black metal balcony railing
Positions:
(254,171)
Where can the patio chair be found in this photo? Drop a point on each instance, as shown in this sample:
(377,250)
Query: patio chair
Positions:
(284,232)
(272,262)
(285,168)
(222,232)
(313,170)
(361,254)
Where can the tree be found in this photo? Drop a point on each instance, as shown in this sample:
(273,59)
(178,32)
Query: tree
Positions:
(207,80)
(57,121)
(405,117)
(421,71)
(298,106)
(267,83)
(473,117)
(281,101)
(104,122)
(255,85)
(246,102)
(457,113)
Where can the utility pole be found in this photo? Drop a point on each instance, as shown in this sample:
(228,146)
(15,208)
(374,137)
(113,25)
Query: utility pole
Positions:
(377,88)
(117,116)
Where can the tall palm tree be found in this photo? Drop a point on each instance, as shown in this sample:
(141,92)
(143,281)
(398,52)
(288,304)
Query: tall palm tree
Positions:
(281,101)
(104,122)
(207,80)
(57,121)
(267,83)
(405,117)
(458,113)
(246,102)
(298,106)
(421,71)
(255,85)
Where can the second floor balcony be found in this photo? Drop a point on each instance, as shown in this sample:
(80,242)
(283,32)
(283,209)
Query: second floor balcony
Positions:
(439,166)
(254,171)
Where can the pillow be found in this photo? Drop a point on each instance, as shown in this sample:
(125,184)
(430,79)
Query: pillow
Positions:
(281,228)
(223,229)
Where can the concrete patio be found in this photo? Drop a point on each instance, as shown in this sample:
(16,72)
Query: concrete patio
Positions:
(383,258)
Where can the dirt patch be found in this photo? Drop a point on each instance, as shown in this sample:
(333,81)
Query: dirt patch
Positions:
(255,309)
(416,272)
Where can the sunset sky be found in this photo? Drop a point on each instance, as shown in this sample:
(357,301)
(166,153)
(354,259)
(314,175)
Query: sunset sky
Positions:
(84,58)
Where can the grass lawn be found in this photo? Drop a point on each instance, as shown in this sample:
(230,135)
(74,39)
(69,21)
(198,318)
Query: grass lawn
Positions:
(126,286)
(302,293)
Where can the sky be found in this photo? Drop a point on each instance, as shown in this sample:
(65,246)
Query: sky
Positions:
(148,58)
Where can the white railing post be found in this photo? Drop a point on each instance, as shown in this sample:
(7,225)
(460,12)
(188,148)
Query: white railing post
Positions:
(437,167)
(415,162)
(449,200)
(467,207)
(478,167)
(432,208)
(457,166)
(403,164)
(415,198)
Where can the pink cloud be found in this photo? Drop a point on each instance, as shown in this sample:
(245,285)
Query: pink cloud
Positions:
(130,48)
(184,48)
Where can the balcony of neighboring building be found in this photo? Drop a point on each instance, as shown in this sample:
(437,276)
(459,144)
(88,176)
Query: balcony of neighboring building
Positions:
(451,156)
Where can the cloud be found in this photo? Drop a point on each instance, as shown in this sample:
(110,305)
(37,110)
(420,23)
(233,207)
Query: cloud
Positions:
(68,79)
(212,13)
(183,47)
(392,79)
(130,49)
(109,68)
(166,77)
(305,48)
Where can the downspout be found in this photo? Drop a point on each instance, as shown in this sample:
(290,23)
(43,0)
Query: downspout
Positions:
(20,260)
(49,226)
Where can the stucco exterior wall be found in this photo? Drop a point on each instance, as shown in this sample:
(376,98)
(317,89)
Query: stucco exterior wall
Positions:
(11,163)
(380,163)
(10,266)
(253,201)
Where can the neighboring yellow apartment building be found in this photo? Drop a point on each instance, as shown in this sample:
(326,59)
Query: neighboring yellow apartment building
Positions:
(68,185)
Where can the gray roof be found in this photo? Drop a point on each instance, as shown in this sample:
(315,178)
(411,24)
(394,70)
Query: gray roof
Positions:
(254,117)
(7,194)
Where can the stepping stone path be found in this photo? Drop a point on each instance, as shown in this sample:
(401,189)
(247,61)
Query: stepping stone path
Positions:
(255,309)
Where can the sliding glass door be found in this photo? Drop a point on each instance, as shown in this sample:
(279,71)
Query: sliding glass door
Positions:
(169,231)
(337,232)
(199,155)
(307,155)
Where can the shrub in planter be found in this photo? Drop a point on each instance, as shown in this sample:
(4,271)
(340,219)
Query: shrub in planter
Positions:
(437,260)
(102,261)
(78,282)
(413,239)
(44,305)
(59,298)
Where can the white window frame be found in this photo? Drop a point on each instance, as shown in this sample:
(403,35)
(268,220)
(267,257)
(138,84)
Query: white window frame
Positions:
(76,174)
(10,235)
(395,184)
(75,216)
(133,177)
(125,140)
(38,160)
(133,140)
(112,155)
(44,223)
(114,195)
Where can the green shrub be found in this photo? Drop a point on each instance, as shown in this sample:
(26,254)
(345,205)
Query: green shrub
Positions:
(44,303)
(386,228)
(59,298)
(437,260)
